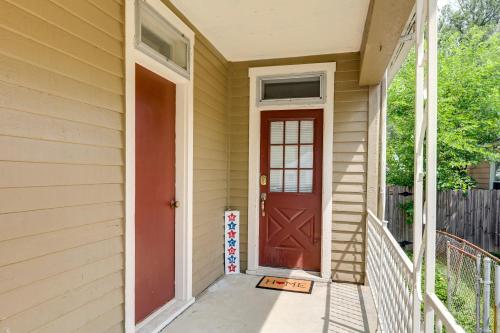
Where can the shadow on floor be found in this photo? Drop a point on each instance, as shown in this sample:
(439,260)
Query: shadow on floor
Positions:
(234,305)
(350,308)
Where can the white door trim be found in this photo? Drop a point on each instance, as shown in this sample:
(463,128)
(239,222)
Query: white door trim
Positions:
(183,178)
(254,163)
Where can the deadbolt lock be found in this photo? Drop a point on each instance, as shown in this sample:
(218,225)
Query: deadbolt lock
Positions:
(263,180)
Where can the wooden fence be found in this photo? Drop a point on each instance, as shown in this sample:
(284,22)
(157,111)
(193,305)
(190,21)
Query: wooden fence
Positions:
(472,215)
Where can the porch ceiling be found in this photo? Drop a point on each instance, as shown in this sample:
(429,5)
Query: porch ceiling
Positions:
(262,29)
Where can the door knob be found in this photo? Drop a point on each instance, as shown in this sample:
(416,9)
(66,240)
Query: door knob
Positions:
(175,204)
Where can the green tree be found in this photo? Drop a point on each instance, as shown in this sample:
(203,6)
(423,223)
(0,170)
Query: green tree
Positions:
(461,15)
(468,108)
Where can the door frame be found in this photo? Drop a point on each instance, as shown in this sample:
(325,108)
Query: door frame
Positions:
(183,172)
(327,105)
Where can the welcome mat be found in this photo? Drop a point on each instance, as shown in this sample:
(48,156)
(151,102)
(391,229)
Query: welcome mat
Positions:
(285,284)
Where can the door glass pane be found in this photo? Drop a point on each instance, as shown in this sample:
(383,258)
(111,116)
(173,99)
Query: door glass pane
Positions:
(306,181)
(292,132)
(277,132)
(306,131)
(276,157)
(291,156)
(306,156)
(290,180)
(276,181)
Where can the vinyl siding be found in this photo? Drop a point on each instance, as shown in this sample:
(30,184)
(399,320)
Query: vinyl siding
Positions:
(61,166)
(349,158)
(481,174)
(211,151)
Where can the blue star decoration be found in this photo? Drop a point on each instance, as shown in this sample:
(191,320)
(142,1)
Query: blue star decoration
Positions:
(231,242)
(231,259)
(232,226)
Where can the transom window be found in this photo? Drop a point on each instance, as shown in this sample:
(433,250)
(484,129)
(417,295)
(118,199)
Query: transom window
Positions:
(161,40)
(291,156)
(303,88)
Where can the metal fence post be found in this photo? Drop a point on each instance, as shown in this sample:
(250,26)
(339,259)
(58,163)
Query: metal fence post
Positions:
(478,293)
(497,298)
(486,295)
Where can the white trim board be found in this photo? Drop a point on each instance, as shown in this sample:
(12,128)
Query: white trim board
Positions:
(254,160)
(183,178)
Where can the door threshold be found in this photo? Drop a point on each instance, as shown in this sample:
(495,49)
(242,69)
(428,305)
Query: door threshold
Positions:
(288,273)
(159,319)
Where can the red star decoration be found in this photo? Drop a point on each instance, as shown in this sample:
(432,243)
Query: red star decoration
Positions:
(231,217)
(231,233)
(232,268)
(231,250)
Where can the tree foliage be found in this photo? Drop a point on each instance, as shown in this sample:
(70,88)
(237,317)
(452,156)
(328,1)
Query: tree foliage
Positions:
(461,15)
(468,100)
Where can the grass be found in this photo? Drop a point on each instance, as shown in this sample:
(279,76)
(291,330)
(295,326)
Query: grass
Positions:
(463,300)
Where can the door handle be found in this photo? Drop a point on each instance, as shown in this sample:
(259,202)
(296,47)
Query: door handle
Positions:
(263,197)
(175,204)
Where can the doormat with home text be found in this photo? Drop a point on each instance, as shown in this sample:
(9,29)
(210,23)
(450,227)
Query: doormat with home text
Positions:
(285,284)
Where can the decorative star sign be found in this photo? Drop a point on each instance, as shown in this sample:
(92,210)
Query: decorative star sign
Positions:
(231,250)
(232,226)
(231,242)
(231,259)
(231,233)
(231,217)
(232,268)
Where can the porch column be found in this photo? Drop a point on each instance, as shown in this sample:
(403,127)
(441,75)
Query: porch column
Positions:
(383,148)
(431,160)
(418,176)
(372,172)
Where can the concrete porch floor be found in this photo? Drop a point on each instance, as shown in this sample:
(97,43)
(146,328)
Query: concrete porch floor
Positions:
(234,305)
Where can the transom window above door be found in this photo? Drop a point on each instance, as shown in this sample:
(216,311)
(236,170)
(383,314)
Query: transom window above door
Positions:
(291,156)
(291,89)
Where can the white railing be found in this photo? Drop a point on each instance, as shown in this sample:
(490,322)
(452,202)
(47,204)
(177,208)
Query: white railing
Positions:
(390,276)
(392,281)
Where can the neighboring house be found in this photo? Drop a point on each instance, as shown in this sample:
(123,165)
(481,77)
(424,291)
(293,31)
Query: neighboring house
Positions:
(487,175)
(124,136)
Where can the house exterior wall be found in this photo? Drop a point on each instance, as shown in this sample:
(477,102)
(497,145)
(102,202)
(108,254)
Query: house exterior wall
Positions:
(481,173)
(210,183)
(349,160)
(61,166)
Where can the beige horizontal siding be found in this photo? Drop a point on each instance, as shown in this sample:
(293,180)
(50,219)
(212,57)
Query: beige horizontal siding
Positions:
(349,160)
(210,159)
(481,174)
(61,166)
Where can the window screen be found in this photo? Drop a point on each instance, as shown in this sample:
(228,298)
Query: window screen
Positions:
(160,40)
(307,87)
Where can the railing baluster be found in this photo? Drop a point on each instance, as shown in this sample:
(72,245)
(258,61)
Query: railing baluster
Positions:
(390,274)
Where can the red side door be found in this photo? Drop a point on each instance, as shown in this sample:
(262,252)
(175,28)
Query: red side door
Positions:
(154,189)
(290,186)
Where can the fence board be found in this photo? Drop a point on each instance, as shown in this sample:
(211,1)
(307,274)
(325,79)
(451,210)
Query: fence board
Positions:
(473,215)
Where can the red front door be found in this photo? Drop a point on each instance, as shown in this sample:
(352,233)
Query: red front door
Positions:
(290,187)
(154,189)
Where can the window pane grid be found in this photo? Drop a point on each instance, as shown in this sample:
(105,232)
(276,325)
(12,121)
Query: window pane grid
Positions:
(293,171)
